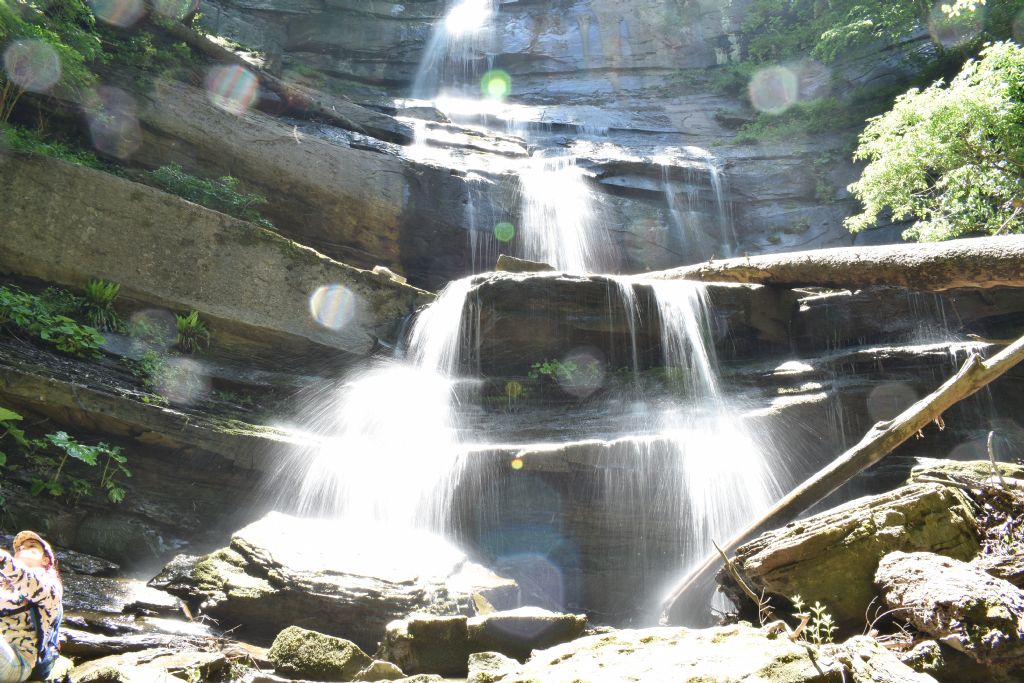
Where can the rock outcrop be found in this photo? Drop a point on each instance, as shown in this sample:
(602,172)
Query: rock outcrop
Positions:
(957,604)
(831,557)
(283,571)
(66,224)
(730,653)
(443,644)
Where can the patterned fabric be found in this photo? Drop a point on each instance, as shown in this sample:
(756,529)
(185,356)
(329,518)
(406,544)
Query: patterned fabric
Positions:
(13,668)
(19,584)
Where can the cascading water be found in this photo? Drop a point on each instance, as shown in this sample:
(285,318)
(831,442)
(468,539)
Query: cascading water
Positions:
(687,209)
(560,227)
(727,480)
(396,447)
(391,452)
(456,45)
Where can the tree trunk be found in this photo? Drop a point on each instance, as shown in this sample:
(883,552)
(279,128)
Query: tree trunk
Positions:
(880,440)
(981,262)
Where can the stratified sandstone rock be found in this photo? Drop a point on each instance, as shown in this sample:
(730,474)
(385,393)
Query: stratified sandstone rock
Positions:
(340,581)
(67,224)
(956,603)
(831,557)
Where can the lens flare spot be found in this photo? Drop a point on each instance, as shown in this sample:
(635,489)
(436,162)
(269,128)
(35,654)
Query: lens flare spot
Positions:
(182,381)
(1018,28)
(32,65)
(583,372)
(175,9)
(496,84)
(950,32)
(774,89)
(113,124)
(504,232)
(889,400)
(231,88)
(121,13)
(153,329)
(516,464)
(333,306)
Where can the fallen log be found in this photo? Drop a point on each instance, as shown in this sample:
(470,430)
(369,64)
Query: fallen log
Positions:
(879,441)
(980,262)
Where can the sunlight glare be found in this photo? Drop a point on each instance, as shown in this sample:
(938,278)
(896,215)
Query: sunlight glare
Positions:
(468,16)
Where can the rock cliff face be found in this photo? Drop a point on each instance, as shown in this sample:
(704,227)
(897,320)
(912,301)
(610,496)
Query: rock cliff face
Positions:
(623,87)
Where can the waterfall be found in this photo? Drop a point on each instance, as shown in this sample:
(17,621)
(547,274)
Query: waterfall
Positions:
(456,44)
(689,218)
(726,478)
(560,226)
(391,453)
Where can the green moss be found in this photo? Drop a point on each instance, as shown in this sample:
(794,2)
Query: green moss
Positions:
(300,653)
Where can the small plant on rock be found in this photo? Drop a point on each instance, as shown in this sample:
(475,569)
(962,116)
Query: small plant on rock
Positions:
(192,332)
(817,625)
(45,316)
(99,305)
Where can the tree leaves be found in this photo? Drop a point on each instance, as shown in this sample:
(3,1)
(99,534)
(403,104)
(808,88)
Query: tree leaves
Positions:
(950,156)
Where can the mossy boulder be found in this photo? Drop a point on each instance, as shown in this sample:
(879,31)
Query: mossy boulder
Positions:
(958,604)
(831,557)
(300,653)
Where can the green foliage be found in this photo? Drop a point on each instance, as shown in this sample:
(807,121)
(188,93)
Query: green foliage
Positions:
(803,118)
(67,27)
(554,370)
(99,305)
(30,142)
(220,195)
(821,626)
(46,317)
(950,156)
(778,30)
(46,461)
(192,332)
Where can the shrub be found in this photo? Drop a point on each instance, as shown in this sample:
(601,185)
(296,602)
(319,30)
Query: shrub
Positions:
(46,461)
(951,156)
(220,195)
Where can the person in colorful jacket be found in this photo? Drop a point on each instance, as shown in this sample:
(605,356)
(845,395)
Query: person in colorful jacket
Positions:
(30,575)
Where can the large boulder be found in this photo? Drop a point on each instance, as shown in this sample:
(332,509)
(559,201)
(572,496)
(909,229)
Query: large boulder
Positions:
(956,603)
(725,655)
(831,557)
(338,580)
(424,643)
(301,653)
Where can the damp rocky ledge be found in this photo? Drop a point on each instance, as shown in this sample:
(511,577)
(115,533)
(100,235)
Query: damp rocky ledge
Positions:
(930,589)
